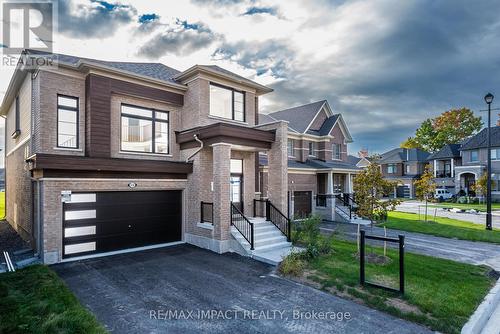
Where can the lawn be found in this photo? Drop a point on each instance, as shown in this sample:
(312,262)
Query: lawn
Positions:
(2,205)
(35,300)
(441,226)
(440,294)
(476,206)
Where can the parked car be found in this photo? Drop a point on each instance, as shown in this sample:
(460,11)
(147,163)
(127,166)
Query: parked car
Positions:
(442,194)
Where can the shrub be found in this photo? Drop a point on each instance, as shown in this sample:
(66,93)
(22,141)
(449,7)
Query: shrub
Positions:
(462,200)
(293,264)
(306,231)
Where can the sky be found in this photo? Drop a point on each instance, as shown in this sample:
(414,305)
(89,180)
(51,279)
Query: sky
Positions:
(384,65)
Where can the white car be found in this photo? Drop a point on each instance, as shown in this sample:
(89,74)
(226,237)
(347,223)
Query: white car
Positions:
(442,194)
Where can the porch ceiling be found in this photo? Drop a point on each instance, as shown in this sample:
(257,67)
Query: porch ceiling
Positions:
(240,136)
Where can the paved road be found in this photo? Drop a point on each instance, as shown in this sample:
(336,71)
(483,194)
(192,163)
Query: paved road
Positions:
(458,250)
(480,218)
(126,293)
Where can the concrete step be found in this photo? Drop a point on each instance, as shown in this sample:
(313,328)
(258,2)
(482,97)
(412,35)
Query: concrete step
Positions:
(274,246)
(262,228)
(267,233)
(269,240)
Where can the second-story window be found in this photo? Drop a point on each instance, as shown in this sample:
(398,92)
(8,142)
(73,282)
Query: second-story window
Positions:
(312,148)
(144,130)
(291,152)
(336,155)
(408,169)
(391,168)
(227,103)
(474,155)
(495,154)
(67,121)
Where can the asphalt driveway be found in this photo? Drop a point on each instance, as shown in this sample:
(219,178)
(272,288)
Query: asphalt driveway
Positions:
(185,289)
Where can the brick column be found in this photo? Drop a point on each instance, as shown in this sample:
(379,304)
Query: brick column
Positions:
(221,171)
(278,168)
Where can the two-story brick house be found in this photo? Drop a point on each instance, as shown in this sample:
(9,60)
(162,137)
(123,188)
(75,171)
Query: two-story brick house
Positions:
(318,164)
(474,156)
(403,166)
(443,164)
(111,156)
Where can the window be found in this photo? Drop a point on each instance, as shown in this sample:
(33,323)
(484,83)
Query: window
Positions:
(291,152)
(312,149)
(144,130)
(67,121)
(17,130)
(227,103)
(336,155)
(408,169)
(495,154)
(391,168)
(474,155)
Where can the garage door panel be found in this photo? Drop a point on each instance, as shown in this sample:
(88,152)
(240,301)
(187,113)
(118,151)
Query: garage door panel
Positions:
(121,220)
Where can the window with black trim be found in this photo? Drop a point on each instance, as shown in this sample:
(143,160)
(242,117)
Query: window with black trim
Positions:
(474,155)
(67,121)
(144,130)
(227,103)
(312,148)
(290,148)
(17,121)
(391,168)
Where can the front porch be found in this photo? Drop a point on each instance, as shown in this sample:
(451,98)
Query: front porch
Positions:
(222,188)
(466,178)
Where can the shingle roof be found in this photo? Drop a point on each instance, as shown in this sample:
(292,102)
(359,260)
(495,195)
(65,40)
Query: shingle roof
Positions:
(403,154)
(326,128)
(152,70)
(264,118)
(448,151)
(480,140)
(353,160)
(299,117)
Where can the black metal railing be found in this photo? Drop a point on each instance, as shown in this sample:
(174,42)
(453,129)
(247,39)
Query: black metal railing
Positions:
(321,200)
(259,207)
(344,200)
(207,212)
(282,222)
(243,225)
(443,174)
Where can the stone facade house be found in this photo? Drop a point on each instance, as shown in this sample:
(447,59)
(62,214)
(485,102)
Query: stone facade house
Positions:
(319,168)
(105,157)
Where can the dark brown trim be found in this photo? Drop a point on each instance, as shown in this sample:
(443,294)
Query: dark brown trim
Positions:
(98,109)
(226,133)
(107,175)
(78,163)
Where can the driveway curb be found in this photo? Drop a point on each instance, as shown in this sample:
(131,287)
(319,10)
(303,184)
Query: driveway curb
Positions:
(479,319)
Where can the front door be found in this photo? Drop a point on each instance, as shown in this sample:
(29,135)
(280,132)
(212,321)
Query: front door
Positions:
(236,194)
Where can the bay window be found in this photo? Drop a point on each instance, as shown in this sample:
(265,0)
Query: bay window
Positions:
(291,152)
(312,149)
(227,103)
(144,130)
(67,121)
(336,155)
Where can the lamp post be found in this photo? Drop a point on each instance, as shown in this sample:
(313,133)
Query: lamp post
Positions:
(488,99)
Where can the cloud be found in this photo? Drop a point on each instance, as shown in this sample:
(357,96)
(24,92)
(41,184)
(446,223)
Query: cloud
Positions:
(180,38)
(261,10)
(217,2)
(269,57)
(95,19)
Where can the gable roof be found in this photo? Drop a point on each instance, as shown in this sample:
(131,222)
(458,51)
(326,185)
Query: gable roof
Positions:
(353,160)
(480,140)
(265,118)
(300,117)
(403,154)
(448,151)
(326,127)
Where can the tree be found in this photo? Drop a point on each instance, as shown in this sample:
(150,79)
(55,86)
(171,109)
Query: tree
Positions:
(450,127)
(481,184)
(425,187)
(370,187)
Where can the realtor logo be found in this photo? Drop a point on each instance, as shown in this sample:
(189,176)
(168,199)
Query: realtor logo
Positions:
(27,25)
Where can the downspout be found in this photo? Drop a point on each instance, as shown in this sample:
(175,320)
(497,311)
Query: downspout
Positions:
(198,150)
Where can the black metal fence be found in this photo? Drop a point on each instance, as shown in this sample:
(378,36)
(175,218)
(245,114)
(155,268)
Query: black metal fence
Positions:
(401,241)
(282,222)
(207,212)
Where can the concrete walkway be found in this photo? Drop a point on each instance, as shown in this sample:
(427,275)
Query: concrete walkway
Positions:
(479,218)
(453,249)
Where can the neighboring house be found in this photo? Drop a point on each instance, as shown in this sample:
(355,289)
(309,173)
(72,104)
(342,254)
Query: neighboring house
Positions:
(361,161)
(111,156)
(474,154)
(318,164)
(443,164)
(404,166)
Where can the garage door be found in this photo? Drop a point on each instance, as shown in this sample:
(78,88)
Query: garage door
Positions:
(110,221)
(403,192)
(302,203)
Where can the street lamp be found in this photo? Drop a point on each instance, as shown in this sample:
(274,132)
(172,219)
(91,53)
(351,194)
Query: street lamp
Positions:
(488,99)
